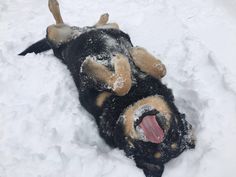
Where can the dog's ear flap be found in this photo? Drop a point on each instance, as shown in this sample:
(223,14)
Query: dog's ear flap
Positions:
(150,170)
(38,47)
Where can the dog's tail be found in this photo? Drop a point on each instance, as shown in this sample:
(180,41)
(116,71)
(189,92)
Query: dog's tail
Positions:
(38,47)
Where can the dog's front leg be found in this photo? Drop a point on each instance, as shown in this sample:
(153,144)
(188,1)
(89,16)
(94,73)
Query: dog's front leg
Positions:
(147,62)
(119,81)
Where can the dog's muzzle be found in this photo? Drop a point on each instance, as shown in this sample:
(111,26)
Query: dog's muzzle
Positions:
(148,120)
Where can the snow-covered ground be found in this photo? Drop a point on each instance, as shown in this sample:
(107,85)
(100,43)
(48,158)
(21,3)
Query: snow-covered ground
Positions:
(44,131)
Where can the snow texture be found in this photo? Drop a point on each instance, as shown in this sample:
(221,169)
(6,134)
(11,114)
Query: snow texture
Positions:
(44,131)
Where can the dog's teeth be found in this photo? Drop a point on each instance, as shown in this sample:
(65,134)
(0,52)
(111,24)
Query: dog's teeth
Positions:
(139,112)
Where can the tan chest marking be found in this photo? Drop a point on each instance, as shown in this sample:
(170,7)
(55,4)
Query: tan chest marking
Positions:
(101,98)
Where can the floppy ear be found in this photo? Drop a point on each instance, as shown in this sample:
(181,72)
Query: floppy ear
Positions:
(150,170)
(38,47)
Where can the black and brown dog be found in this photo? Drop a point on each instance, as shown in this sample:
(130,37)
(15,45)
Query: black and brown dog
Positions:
(120,86)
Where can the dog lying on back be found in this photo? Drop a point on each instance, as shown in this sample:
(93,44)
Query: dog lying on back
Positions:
(120,85)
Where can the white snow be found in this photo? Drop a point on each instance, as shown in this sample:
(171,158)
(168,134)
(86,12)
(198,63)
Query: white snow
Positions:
(44,132)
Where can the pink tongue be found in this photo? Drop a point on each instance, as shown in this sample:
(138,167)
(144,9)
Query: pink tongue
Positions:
(151,129)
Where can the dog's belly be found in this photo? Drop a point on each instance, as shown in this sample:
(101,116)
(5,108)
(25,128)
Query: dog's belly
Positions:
(102,44)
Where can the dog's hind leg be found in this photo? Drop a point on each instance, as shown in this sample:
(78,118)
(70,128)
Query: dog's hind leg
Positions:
(102,22)
(119,81)
(53,6)
(110,25)
(147,62)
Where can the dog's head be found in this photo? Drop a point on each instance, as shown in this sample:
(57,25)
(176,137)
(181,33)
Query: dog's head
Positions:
(147,125)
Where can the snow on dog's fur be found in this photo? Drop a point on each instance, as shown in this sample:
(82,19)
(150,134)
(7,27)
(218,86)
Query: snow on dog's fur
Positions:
(120,86)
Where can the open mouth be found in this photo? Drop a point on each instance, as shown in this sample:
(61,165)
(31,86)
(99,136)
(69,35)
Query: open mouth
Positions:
(150,126)
(148,119)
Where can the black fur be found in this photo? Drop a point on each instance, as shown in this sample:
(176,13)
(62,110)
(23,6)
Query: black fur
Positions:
(103,44)
(38,47)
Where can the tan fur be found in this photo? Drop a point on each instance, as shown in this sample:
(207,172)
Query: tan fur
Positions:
(102,20)
(174,146)
(157,155)
(109,25)
(97,71)
(155,101)
(55,10)
(52,33)
(120,81)
(147,62)
(61,33)
(101,98)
